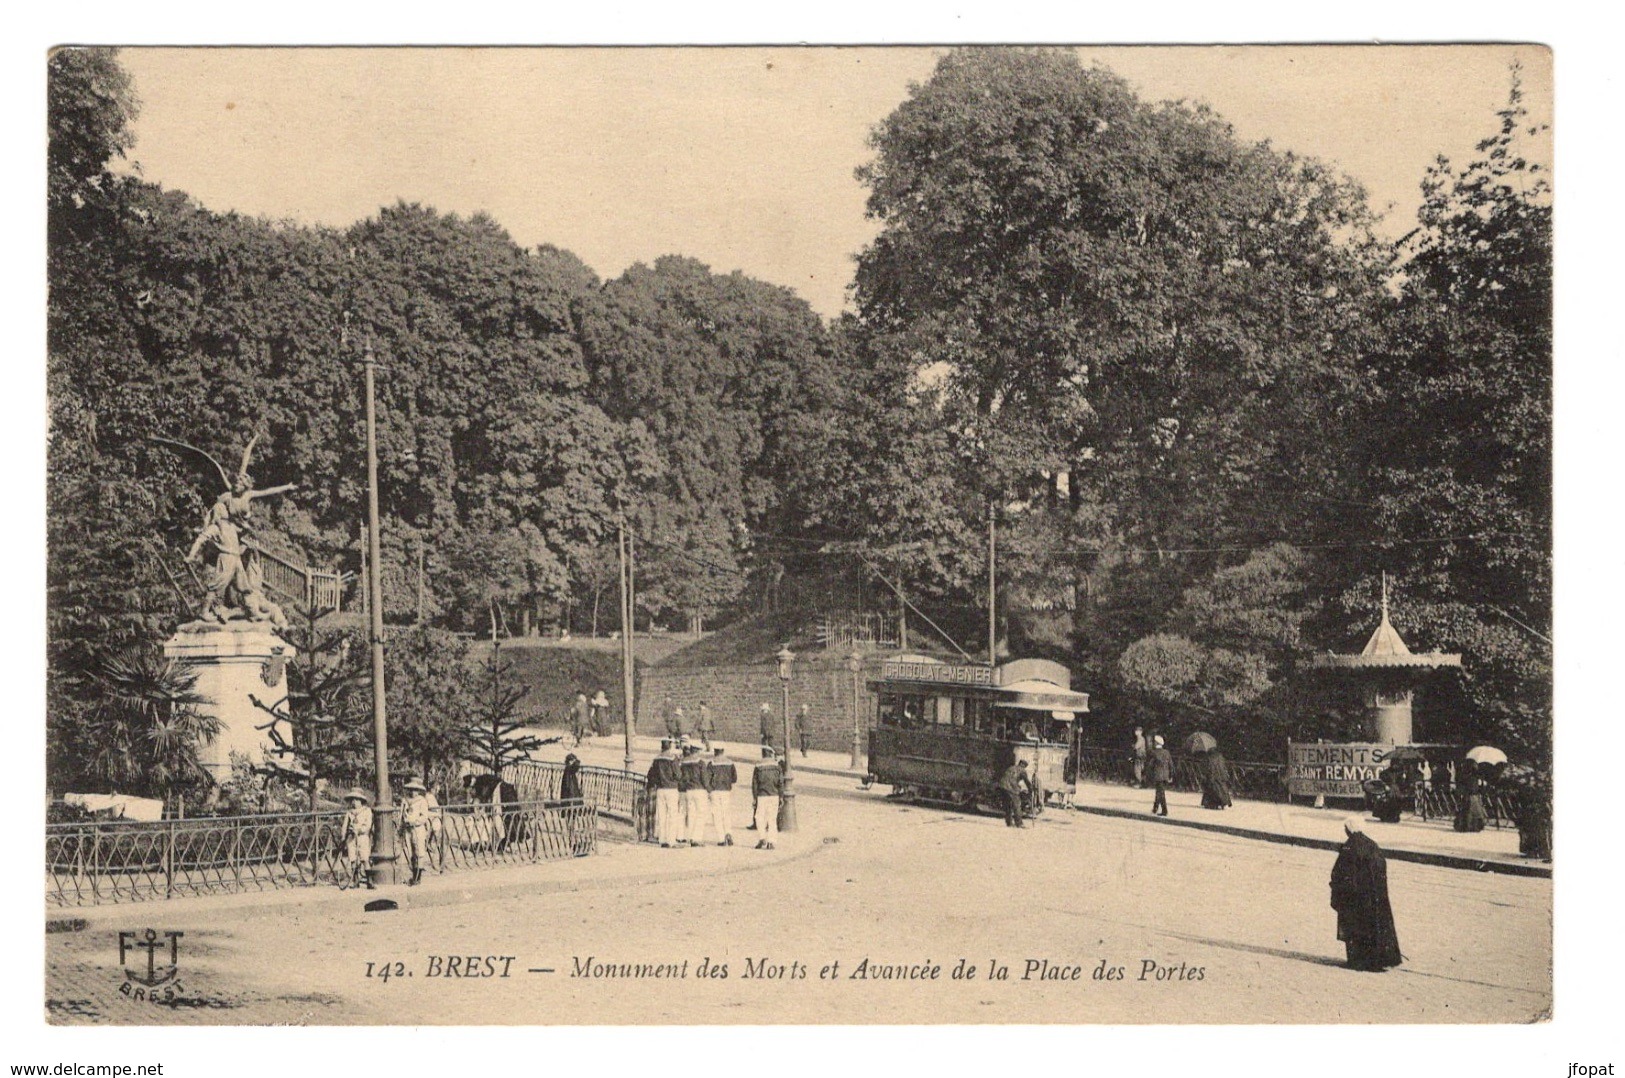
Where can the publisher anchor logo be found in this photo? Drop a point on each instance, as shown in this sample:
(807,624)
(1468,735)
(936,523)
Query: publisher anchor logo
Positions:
(146,974)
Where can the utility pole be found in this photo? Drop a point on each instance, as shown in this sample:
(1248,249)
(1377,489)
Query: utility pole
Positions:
(854,664)
(624,549)
(787,798)
(992,593)
(384,867)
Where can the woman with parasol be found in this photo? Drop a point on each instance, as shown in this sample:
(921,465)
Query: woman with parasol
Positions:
(1212,771)
(1470,814)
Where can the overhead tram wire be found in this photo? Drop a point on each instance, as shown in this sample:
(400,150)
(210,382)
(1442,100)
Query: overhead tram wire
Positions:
(840,546)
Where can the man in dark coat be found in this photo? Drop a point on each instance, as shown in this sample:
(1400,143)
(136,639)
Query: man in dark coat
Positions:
(767,783)
(1365,920)
(1010,783)
(1159,772)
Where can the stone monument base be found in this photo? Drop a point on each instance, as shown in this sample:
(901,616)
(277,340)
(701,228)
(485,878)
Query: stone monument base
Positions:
(233,662)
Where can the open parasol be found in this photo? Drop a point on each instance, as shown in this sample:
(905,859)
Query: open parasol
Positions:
(1200,742)
(1404,755)
(1486,754)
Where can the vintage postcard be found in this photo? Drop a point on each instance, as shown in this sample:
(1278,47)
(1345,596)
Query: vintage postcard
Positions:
(727,536)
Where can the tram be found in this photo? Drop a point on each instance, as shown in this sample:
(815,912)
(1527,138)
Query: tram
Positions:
(945,733)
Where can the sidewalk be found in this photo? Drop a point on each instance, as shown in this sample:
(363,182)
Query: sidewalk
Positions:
(1431,842)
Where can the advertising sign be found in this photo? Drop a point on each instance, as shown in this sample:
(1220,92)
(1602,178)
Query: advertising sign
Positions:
(943,673)
(1335,770)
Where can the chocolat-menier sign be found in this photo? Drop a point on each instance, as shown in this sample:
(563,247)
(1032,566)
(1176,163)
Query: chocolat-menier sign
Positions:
(1333,769)
(942,673)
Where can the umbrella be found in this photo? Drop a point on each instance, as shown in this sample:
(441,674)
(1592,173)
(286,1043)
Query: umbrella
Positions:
(1484,754)
(1200,742)
(1404,756)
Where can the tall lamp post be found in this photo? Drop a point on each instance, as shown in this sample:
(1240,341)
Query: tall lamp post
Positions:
(787,800)
(854,663)
(385,869)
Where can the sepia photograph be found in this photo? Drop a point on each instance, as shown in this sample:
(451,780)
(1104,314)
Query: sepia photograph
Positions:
(611,536)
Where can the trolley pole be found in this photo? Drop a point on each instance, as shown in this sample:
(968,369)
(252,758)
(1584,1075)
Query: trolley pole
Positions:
(624,542)
(384,863)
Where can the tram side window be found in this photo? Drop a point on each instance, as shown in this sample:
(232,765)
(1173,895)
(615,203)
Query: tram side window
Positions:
(900,712)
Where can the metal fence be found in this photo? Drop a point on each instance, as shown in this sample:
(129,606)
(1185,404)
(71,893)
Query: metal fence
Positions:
(98,862)
(1254,781)
(1432,803)
(480,835)
(1267,782)
(618,798)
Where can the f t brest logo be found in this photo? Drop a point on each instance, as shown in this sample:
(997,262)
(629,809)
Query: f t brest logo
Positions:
(154,974)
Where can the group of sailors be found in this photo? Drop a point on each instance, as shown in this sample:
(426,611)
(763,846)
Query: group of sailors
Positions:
(693,793)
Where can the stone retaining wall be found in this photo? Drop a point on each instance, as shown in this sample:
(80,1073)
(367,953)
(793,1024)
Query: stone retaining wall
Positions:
(736,695)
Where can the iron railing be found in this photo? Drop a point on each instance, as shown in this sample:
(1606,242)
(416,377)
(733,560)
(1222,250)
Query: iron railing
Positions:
(1432,802)
(481,835)
(97,862)
(283,574)
(845,629)
(1254,781)
(618,798)
(1267,782)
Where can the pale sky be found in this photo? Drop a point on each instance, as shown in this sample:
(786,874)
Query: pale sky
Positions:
(742,158)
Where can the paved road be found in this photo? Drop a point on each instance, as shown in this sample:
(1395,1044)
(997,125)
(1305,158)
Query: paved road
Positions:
(910,888)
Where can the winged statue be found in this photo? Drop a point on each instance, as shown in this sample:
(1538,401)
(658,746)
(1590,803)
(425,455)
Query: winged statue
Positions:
(232,575)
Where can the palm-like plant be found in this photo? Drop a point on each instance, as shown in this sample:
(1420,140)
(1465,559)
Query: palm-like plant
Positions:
(148,725)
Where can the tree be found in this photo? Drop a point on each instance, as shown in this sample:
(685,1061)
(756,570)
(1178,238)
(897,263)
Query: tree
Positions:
(494,741)
(144,732)
(1119,294)
(1140,328)
(1226,651)
(319,728)
(90,105)
(430,700)
(717,368)
(1459,442)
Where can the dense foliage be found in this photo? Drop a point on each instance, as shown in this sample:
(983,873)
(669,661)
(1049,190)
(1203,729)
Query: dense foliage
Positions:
(1204,407)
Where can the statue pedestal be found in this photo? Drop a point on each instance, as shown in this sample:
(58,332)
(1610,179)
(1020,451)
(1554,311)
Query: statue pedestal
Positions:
(232,662)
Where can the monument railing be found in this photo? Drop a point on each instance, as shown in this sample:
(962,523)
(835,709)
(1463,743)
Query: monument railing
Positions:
(98,862)
(284,574)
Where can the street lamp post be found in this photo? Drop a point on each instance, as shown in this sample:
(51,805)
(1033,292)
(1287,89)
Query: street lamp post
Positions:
(385,869)
(854,663)
(787,800)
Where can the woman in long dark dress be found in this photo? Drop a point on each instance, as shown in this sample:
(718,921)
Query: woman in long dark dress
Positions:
(1365,920)
(1470,815)
(570,781)
(1214,778)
